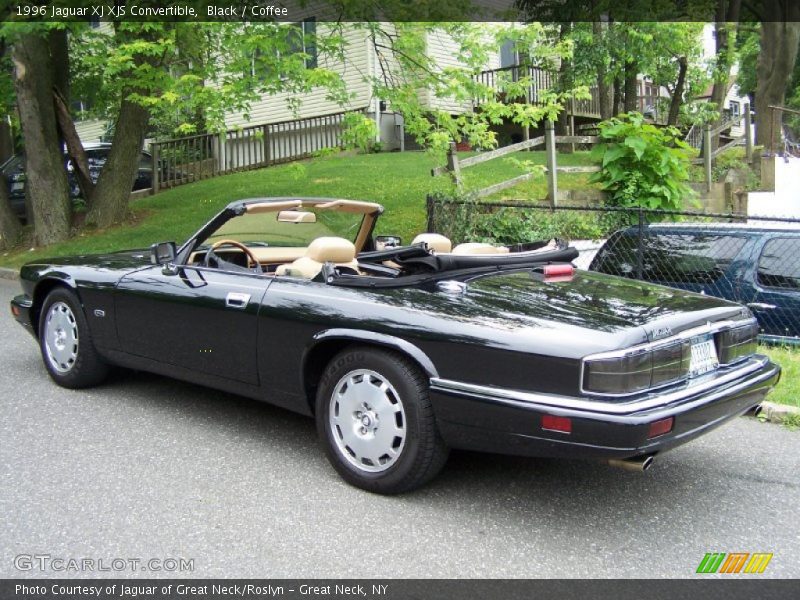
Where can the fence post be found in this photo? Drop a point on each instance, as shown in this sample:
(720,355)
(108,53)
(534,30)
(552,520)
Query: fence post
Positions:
(222,158)
(748,140)
(707,154)
(156,167)
(572,122)
(429,207)
(550,152)
(453,166)
(265,145)
(640,246)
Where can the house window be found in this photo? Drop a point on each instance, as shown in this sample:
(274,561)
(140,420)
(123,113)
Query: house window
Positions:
(508,55)
(302,38)
(735,109)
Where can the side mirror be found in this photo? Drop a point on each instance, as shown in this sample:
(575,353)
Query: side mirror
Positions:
(382,242)
(162,253)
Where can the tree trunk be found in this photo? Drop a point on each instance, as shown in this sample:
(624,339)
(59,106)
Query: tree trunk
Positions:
(631,86)
(59,54)
(617,96)
(779,47)
(565,83)
(727,16)
(46,178)
(677,95)
(75,149)
(113,189)
(10,227)
(605,92)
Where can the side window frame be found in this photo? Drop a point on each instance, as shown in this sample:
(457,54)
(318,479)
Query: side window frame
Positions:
(764,248)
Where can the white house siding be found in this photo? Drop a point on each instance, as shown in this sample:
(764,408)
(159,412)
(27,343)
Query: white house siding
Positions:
(734,96)
(354,70)
(91,130)
(444,51)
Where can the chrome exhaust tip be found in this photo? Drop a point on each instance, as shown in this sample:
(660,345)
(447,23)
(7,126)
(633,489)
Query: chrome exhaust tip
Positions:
(756,410)
(639,464)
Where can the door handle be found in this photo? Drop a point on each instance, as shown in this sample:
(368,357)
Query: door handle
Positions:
(760,306)
(237,300)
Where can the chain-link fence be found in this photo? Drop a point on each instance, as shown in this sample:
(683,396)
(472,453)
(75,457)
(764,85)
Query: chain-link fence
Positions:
(751,260)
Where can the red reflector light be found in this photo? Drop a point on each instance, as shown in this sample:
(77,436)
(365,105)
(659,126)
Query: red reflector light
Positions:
(558,270)
(661,427)
(553,423)
(14,310)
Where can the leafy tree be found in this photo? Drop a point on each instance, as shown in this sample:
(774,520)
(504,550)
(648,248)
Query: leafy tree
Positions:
(178,78)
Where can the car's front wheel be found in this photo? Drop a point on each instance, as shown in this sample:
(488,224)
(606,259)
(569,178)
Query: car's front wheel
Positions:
(376,422)
(66,343)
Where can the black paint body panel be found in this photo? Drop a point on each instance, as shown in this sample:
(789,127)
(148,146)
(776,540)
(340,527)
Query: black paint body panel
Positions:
(510,329)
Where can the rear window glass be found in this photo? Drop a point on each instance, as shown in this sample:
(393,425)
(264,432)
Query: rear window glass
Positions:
(671,257)
(778,266)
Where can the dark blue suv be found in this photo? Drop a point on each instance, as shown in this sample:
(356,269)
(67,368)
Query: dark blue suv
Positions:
(755,265)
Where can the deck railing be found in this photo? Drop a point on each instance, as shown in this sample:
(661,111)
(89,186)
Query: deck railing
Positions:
(191,158)
(543,79)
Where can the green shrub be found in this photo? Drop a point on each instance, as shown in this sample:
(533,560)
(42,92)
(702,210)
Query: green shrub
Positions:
(734,159)
(359,133)
(471,223)
(642,165)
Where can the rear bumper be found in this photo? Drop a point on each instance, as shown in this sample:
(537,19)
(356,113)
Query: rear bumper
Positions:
(21,310)
(509,422)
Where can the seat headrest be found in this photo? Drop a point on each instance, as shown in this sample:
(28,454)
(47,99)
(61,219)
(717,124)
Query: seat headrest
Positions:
(331,249)
(435,241)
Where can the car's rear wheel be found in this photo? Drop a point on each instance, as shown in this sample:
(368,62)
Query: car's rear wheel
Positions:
(376,422)
(66,342)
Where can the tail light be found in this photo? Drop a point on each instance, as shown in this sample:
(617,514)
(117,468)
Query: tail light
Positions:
(638,371)
(555,273)
(737,343)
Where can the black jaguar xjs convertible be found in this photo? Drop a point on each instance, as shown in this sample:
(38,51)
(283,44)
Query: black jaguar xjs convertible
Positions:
(403,351)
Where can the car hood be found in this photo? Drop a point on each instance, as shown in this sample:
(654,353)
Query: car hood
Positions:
(111,260)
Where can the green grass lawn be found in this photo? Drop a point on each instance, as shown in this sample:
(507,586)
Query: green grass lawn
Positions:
(788,390)
(399,181)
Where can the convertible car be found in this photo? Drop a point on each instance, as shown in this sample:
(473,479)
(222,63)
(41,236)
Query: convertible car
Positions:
(401,352)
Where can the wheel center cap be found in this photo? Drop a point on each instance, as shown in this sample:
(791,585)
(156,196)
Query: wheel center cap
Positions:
(366,421)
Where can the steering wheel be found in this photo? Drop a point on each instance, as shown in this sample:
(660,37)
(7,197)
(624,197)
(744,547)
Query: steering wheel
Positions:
(252,260)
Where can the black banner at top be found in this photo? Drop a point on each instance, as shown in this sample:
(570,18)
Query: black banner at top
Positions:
(401,10)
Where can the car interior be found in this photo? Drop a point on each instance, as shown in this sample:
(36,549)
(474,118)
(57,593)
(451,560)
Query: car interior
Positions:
(331,240)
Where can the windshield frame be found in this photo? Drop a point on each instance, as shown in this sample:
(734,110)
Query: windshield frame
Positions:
(370,211)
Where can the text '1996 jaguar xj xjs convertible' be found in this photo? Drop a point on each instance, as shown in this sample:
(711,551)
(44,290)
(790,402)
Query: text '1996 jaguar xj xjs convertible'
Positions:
(401,352)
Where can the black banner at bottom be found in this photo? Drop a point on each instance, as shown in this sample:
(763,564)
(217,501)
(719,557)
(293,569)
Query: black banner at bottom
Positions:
(399,589)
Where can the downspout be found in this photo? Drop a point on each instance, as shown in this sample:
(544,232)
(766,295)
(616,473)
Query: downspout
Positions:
(375,99)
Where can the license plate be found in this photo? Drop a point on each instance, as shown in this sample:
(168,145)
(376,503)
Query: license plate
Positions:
(704,356)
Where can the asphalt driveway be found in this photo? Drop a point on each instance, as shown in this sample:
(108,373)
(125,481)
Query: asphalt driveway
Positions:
(148,468)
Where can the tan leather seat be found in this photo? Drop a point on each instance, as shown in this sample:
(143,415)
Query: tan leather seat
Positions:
(479,248)
(435,241)
(335,250)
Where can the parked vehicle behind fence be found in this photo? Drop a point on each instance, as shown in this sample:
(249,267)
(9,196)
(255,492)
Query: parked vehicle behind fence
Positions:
(13,173)
(754,264)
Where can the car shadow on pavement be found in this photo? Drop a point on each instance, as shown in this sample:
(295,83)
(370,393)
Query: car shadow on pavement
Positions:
(519,483)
